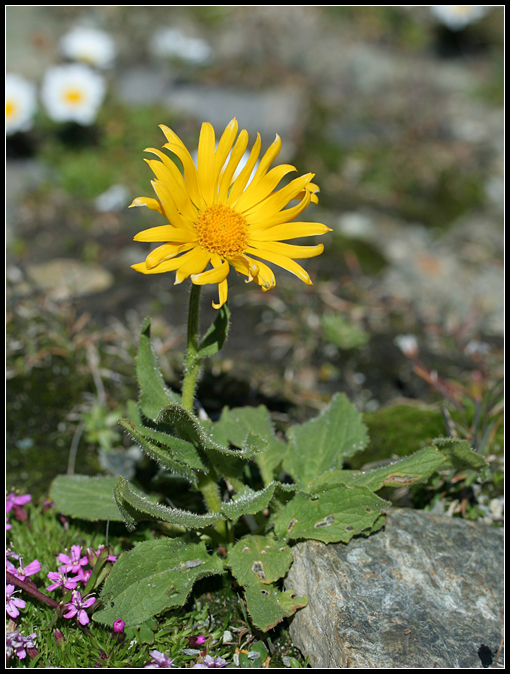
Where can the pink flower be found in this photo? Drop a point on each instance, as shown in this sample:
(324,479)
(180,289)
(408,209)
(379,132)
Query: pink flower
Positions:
(75,561)
(118,626)
(77,607)
(160,661)
(13,603)
(13,500)
(61,580)
(23,572)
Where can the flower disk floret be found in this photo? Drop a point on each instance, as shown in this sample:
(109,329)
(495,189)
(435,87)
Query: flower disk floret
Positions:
(225,220)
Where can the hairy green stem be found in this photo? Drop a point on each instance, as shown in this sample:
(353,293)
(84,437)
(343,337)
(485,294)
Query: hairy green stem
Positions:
(192,366)
(191,360)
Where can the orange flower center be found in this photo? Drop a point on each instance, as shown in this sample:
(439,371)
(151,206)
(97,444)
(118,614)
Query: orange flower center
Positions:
(73,96)
(10,108)
(222,230)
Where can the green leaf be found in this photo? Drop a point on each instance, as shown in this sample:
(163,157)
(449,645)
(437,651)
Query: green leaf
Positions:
(134,507)
(248,502)
(322,444)
(337,514)
(154,395)
(164,448)
(215,337)
(89,498)
(234,427)
(407,471)
(267,606)
(153,577)
(259,559)
(459,454)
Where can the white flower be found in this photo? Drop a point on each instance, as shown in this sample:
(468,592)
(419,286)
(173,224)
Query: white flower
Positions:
(172,43)
(408,345)
(73,93)
(89,45)
(20,104)
(457,17)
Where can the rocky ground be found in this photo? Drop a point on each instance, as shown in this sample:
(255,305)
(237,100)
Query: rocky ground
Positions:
(400,119)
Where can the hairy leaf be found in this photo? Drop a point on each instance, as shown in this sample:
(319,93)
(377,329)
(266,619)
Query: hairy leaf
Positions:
(154,395)
(153,577)
(89,498)
(133,507)
(259,559)
(267,606)
(322,444)
(336,514)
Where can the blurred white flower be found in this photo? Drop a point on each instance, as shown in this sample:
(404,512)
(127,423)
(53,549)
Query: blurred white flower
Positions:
(20,104)
(457,17)
(73,93)
(172,43)
(408,345)
(89,45)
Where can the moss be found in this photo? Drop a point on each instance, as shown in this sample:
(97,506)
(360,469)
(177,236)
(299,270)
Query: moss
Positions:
(398,430)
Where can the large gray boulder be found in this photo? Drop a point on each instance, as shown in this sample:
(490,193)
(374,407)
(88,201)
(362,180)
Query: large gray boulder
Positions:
(424,592)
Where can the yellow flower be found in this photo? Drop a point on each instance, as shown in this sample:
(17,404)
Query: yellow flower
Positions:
(218,220)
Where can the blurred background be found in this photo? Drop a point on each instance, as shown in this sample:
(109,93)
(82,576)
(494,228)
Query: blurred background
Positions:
(399,113)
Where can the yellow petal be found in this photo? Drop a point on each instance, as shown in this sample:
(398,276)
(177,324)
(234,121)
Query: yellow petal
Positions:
(190,173)
(172,213)
(153,204)
(165,252)
(225,179)
(278,200)
(290,230)
(206,160)
(254,194)
(173,181)
(257,221)
(245,265)
(223,292)
(288,250)
(224,147)
(196,263)
(282,261)
(268,158)
(167,265)
(216,275)
(166,233)
(265,276)
(240,182)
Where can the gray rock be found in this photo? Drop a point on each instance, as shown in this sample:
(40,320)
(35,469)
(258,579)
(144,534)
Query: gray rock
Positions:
(425,592)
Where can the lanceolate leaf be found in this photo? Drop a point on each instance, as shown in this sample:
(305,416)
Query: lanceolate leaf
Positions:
(154,395)
(214,338)
(259,559)
(130,504)
(407,471)
(162,446)
(248,502)
(337,514)
(459,454)
(324,443)
(153,577)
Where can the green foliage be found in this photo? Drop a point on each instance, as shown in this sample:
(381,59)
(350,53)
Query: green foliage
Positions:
(341,332)
(326,501)
(153,577)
